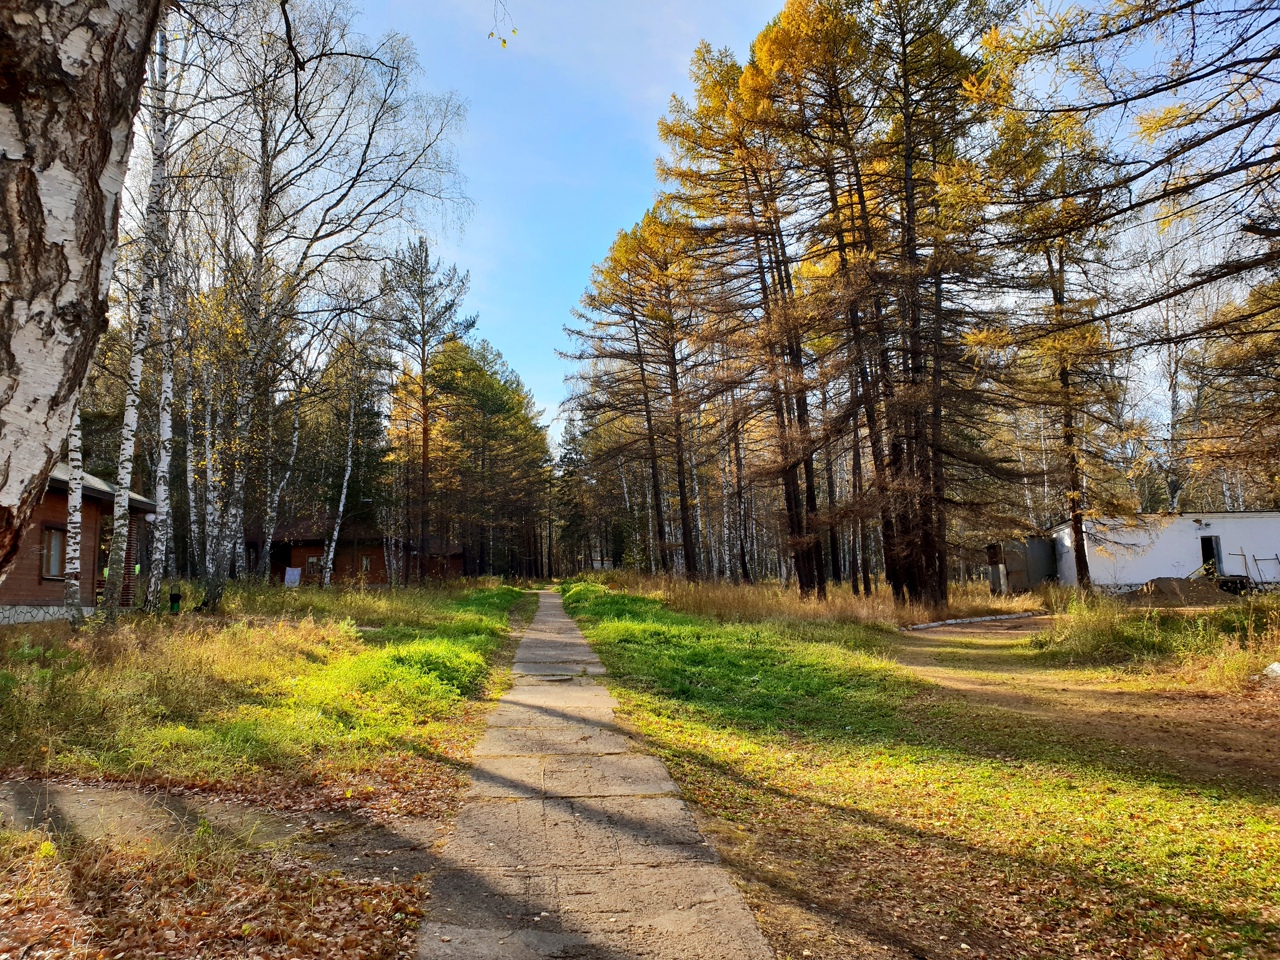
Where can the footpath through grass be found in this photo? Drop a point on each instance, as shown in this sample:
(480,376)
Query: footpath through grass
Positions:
(364,704)
(869,809)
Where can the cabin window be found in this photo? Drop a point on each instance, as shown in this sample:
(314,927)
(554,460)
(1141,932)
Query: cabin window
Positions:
(364,564)
(53,561)
(313,566)
(1211,555)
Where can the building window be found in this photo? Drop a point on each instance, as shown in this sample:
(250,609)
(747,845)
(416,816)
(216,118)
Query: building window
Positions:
(54,558)
(313,566)
(364,564)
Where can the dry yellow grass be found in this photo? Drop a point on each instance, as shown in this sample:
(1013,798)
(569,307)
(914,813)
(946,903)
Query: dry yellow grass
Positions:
(771,601)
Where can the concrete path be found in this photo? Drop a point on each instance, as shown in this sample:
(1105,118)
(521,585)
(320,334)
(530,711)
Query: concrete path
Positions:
(573,842)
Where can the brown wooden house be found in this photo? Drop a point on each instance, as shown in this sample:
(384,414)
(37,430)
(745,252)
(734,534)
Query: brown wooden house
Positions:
(35,586)
(360,557)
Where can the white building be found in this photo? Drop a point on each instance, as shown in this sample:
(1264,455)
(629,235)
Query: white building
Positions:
(1126,553)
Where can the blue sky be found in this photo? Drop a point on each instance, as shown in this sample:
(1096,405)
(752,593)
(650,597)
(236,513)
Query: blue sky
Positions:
(560,141)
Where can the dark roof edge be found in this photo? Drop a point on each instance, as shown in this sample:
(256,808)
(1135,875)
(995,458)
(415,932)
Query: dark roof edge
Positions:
(96,487)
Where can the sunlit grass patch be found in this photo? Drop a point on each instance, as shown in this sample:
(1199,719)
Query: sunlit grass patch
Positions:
(372,607)
(1217,648)
(212,700)
(861,785)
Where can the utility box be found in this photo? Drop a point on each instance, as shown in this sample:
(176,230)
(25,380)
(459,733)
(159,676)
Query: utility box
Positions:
(1018,566)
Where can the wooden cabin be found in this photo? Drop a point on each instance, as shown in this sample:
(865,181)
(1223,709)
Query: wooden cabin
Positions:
(35,586)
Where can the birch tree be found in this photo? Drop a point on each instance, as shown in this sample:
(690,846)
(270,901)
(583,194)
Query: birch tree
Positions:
(74,72)
(75,521)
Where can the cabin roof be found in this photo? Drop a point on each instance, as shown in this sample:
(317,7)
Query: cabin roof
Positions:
(96,487)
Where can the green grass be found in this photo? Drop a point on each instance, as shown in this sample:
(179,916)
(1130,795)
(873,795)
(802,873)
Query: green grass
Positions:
(285,685)
(859,783)
(1225,646)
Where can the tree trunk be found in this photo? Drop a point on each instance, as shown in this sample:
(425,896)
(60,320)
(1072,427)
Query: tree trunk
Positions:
(655,475)
(164,514)
(75,503)
(72,74)
(739,492)
(342,497)
(273,504)
(195,555)
(116,573)
(1075,486)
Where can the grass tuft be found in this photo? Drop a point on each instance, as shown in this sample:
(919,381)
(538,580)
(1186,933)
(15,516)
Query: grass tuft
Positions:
(730,602)
(1221,647)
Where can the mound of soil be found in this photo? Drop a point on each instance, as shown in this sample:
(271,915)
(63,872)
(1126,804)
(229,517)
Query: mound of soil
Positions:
(1178,592)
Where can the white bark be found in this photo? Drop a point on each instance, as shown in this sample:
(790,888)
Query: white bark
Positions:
(150,302)
(75,501)
(73,72)
(277,491)
(332,546)
(193,512)
(162,527)
(124,472)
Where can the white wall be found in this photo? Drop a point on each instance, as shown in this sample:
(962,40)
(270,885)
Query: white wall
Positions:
(1128,553)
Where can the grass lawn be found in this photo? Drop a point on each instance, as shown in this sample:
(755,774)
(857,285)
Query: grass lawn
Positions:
(362,705)
(868,808)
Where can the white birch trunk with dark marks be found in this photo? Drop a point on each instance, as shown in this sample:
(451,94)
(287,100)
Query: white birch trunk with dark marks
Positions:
(195,562)
(112,593)
(332,545)
(277,491)
(150,302)
(75,502)
(164,514)
(70,78)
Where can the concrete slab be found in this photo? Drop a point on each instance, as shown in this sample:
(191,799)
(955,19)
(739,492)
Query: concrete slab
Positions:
(562,697)
(557,651)
(130,815)
(572,842)
(568,668)
(561,834)
(576,775)
(566,738)
(545,715)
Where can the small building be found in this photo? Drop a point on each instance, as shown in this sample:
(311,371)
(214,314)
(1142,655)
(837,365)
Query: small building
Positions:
(35,586)
(1126,553)
(358,558)
(1017,566)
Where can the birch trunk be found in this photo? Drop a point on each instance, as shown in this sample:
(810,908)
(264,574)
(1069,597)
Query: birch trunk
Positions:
(342,497)
(273,505)
(196,555)
(152,278)
(164,515)
(72,77)
(112,594)
(75,502)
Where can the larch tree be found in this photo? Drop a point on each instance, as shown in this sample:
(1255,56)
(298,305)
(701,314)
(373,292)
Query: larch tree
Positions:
(421,304)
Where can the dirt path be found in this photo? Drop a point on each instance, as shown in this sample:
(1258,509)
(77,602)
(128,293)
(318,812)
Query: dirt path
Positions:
(1202,736)
(572,842)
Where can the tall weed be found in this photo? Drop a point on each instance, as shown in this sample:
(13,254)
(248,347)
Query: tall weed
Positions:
(1222,647)
(728,602)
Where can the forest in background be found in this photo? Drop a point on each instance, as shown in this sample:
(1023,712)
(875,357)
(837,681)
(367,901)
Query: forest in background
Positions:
(917,276)
(921,274)
(286,358)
